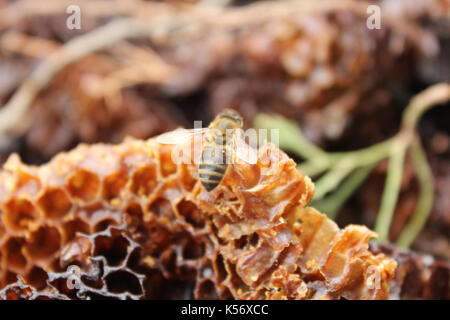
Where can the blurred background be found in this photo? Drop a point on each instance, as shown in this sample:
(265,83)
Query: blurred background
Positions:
(139,68)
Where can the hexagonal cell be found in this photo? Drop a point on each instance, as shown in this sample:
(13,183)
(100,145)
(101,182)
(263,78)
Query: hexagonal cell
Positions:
(162,209)
(134,216)
(113,185)
(186,177)
(135,259)
(83,185)
(220,269)
(187,273)
(168,167)
(144,180)
(123,281)
(28,181)
(192,249)
(206,290)
(168,261)
(37,277)
(226,294)
(115,249)
(71,228)
(246,240)
(92,282)
(43,243)
(103,224)
(9,277)
(191,213)
(12,250)
(19,213)
(158,238)
(54,203)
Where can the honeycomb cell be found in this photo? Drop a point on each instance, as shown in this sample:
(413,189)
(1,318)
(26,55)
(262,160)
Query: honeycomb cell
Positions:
(9,277)
(186,177)
(186,272)
(191,213)
(83,185)
(134,259)
(37,277)
(161,208)
(114,249)
(221,272)
(113,184)
(168,167)
(226,294)
(43,243)
(19,214)
(144,180)
(12,251)
(71,228)
(122,281)
(207,291)
(168,260)
(158,238)
(247,240)
(92,283)
(27,181)
(193,249)
(134,215)
(103,224)
(54,203)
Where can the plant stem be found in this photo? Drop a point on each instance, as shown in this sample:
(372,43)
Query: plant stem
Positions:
(336,166)
(291,136)
(366,156)
(332,179)
(334,202)
(436,94)
(313,168)
(425,199)
(390,192)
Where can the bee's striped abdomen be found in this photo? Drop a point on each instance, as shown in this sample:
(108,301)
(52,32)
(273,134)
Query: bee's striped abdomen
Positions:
(215,153)
(211,174)
(213,165)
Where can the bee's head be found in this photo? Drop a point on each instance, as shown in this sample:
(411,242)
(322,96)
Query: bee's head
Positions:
(229,119)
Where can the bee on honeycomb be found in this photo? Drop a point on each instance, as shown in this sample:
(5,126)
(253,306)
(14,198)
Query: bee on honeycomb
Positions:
(137,225)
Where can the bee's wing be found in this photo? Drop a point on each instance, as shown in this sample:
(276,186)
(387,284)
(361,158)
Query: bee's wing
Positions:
(179,135)
(243,151)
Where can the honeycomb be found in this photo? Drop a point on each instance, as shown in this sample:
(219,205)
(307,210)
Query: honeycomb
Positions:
(418,276)
(135,225)
(22,291)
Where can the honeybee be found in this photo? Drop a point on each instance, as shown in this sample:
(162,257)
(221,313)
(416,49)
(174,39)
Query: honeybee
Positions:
(222,144)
